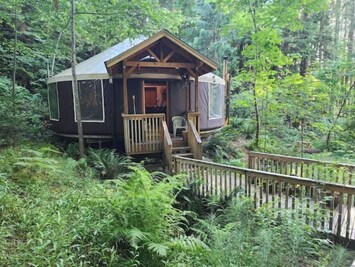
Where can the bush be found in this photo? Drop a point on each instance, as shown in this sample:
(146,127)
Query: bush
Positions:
(27,123)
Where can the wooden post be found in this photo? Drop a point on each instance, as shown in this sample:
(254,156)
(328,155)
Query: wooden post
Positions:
(187,92)
(125,95)
(226,78)
(196,93)
(143,97)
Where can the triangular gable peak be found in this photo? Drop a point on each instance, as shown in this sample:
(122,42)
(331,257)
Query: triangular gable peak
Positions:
(161,53)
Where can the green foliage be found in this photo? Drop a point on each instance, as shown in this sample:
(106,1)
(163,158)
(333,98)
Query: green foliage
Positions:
(57,215)
(218,147)
(241,236)
(108,163)
(22,118)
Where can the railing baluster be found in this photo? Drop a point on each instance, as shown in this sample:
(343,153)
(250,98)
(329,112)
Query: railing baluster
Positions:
(307,196)
(348,217)
(340,214)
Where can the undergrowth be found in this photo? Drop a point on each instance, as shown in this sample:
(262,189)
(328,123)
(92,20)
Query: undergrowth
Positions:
(56,211)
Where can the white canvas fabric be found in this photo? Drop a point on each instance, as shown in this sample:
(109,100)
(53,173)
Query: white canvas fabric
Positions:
(94,67)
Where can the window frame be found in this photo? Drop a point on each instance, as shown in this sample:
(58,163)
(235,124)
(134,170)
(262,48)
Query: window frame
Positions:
(49,103)
(102,97)
(209,99)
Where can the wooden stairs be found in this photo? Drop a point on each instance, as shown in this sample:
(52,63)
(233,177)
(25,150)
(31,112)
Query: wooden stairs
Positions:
(181,148)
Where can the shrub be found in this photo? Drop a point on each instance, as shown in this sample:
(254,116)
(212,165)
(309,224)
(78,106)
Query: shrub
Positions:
(28,121)
(109,164)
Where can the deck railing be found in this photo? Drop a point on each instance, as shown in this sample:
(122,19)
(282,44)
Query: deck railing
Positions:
(302,167)
(167,148)
(143,133)
(327,206)
(194,140)
(195,118)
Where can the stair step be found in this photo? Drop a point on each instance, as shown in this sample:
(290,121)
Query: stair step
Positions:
(188,155)
(179,143)
(181,148)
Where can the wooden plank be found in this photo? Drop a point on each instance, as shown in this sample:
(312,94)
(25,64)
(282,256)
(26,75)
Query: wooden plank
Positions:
(348,217)
(296,159)
(196,94)
(150,51)
(146,64)
(124,85)
(169,56)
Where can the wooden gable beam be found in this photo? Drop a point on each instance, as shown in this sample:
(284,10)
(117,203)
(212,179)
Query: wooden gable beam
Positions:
(144,64)
(169,56)
(130,71)
(191,72)
(153,55)
(177,49)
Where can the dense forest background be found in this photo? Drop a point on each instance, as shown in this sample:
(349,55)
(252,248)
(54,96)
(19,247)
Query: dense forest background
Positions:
(291,67)
(291,63)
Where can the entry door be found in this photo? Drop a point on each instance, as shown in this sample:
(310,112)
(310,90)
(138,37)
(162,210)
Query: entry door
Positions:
(156,97)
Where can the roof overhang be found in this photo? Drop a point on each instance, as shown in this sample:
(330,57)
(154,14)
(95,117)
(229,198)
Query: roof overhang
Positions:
(198,60)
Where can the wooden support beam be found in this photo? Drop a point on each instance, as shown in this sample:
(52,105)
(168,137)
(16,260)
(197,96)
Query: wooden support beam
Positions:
(193,74)
(154,55)
(161,51)
(177,49)
(196,93)
(130,71)
(125,94)
(159,64)
(169,56)
(143,97)
(187,93)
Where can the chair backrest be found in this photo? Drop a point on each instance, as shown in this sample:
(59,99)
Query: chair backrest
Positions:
(178,121)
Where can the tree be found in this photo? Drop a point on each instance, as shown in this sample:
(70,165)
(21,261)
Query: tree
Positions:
(75,83)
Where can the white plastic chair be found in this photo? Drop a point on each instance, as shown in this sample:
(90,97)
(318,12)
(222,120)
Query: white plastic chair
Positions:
(179,122)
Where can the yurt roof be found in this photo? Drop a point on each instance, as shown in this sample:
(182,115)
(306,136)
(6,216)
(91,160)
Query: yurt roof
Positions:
(95,68)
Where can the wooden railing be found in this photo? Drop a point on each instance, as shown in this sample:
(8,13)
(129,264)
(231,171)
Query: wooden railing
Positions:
(301,167)
(167,148)
(195,118)
(329,207)
(194,140)
(143,133)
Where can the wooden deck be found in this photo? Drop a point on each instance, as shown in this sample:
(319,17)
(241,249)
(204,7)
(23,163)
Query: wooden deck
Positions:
(329,207)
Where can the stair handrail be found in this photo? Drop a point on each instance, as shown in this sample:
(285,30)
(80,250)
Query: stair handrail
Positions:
(194,140)
(167,148)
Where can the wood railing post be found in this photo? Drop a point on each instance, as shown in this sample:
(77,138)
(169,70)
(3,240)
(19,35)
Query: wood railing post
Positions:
(303,167)
(336,200)
(143,133)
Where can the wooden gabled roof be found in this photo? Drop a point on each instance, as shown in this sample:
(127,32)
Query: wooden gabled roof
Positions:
(163,50)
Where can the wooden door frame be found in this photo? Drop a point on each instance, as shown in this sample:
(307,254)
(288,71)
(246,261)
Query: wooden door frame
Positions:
(167,88)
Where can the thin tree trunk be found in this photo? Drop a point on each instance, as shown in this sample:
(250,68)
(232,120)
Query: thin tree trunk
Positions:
(337,8)
(339,113)
(351,30)
(75,83)
(14,78)
(257,116)
(256,106)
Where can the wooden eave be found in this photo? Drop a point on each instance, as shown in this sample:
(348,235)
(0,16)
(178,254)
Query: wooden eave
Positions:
(185,57)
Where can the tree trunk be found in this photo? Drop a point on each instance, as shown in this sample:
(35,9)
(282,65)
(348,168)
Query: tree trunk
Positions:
(257,116)
(337,8)
(75,83)
(14,79)
(351,30)
(339,113)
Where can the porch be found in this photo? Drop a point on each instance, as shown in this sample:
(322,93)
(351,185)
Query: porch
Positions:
(149,133)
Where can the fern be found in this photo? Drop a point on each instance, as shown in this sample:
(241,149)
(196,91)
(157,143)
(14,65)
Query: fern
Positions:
(160,249)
